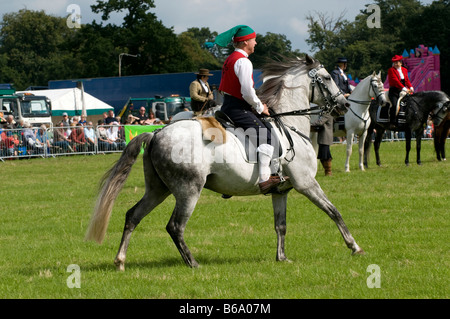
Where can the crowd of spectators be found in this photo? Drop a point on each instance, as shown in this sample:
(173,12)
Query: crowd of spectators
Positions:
(70,135)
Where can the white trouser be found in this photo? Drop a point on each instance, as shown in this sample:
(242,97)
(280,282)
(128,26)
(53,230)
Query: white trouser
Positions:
(265,152)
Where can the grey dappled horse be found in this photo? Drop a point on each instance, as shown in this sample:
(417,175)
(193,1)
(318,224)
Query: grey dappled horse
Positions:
(179,161)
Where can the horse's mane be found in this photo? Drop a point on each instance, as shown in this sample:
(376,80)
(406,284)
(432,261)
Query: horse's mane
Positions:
(270,91)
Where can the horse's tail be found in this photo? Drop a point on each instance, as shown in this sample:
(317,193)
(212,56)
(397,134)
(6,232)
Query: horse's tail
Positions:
(110,186)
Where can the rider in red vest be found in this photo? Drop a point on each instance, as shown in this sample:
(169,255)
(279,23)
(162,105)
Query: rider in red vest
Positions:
(398,82)
(241,104)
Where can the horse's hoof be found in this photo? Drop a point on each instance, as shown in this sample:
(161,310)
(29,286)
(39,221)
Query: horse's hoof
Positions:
(359,252)
(419,163)
(193,264)
(284,259)
(120,266)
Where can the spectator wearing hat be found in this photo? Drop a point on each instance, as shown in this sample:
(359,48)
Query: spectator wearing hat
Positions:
(241,104)
(398,82)
(202,96)
(340,78)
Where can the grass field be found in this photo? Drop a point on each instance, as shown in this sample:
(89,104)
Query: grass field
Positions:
(399,215)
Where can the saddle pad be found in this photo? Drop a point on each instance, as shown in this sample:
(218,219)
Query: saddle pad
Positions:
(247,145)
(339,123)
(383,114)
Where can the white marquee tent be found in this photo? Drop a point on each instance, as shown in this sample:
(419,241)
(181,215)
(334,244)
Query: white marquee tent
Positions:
(71,102)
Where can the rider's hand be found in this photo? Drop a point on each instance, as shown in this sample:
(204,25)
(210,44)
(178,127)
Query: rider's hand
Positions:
(266,110)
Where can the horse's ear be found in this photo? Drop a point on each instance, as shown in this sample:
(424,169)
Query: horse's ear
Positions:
(373,74)
(379,74)
(309,60)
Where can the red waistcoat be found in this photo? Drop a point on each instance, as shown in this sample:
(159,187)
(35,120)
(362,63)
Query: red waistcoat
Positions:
(230,82)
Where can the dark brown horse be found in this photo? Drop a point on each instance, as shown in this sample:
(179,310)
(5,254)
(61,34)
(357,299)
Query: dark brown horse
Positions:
(419,106)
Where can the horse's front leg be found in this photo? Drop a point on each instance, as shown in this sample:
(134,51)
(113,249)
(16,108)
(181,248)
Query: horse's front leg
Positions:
(350,136)
(377,143)
(316,195)
(279,203)
(362,139)
(408,145)
(419,145)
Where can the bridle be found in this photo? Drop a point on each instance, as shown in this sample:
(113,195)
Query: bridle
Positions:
(329,99)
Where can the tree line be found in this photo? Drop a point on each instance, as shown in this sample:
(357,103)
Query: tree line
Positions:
(36,47)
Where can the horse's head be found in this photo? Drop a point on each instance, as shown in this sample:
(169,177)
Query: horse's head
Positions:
(324,91)
(377,87)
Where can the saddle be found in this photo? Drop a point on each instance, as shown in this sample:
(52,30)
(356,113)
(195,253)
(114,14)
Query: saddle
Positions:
(248,146)
(383,115)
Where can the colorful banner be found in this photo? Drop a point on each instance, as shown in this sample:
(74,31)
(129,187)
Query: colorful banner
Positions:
(132,131)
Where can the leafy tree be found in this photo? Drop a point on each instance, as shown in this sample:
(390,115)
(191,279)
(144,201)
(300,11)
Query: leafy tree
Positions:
(143,34)
(271,46)
(137,10)
(30,42)
(197,56)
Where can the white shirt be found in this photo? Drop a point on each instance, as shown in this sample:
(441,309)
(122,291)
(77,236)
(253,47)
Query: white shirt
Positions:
(204,86)
(243,68)
(399,70)
(343,74)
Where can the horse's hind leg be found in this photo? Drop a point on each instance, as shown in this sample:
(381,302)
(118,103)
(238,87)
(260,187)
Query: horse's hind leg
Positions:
(318,197)
(133,218)
(184,207)
(156,192)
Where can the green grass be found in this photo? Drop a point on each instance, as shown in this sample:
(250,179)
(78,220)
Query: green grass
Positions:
(398,215)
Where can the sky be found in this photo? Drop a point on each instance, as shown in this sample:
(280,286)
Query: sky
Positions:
(286,17)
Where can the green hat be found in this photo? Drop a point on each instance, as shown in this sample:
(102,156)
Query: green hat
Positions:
(238,33)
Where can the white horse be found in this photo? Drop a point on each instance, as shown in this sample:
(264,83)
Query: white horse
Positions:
(357,120)
(179,161)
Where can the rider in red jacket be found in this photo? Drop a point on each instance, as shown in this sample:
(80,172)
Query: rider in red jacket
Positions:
(398,82)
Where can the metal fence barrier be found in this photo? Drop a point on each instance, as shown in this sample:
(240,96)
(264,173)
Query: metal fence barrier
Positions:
(64,141)
(61,141)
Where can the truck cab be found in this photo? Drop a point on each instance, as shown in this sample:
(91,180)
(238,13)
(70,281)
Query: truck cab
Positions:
(35,110)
